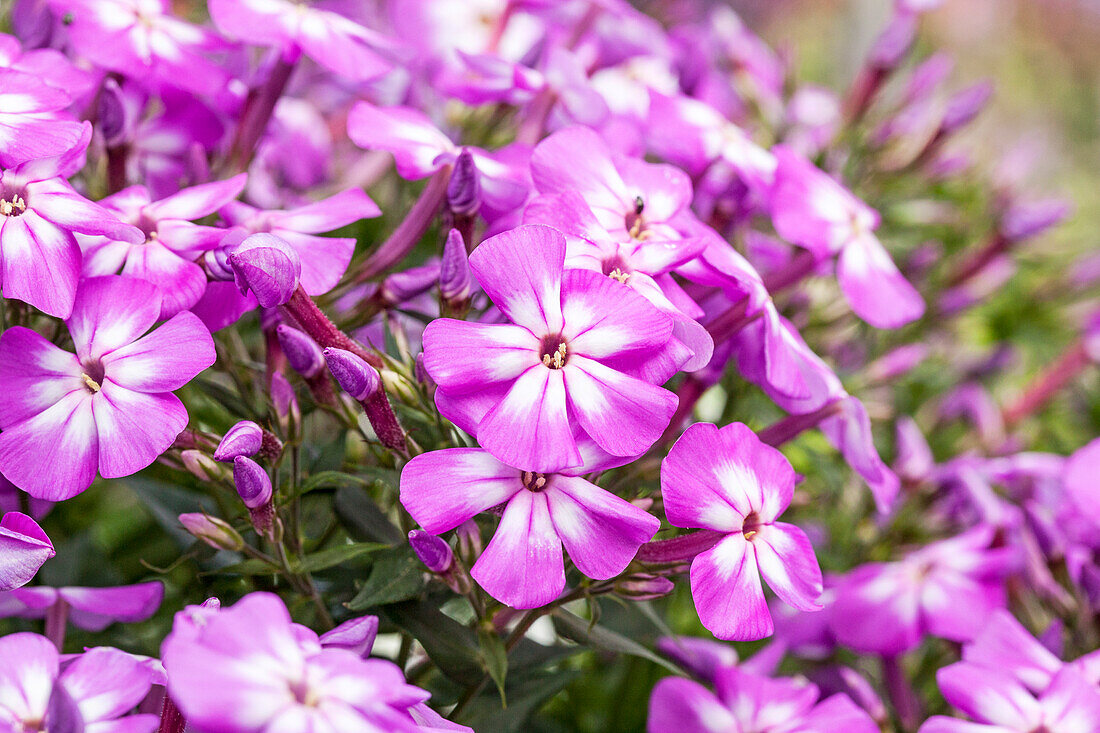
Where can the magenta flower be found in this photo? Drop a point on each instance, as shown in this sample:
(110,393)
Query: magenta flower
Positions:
(29,127)
(339,44)
(999,703)
(107,408)
(165,255)
(141,38)
(93,693)
(23,549)
(39,211)
(748,702)
(948,589)
(522,565)
(728,482)
(290,681)
(812,210)
(91,609)
(630,198)
(568,359)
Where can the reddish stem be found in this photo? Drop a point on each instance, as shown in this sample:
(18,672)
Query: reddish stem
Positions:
(314,322)
(171,719)
(1048,383)
(411,228)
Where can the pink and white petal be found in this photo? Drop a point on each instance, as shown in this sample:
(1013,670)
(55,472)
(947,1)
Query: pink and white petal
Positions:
(27,685)
(604,318)
(725,584)
(754,472)
(624,415)
(529,428)
(197,201)
(693,497)
(103,257)
(136,723)
(522,566)
(463,357)
(444,488)
(111,312)
(787,562)
(521,272)
(873,286)
(989,696)
(165,359)
(665,189)
(837,713)
(408,134)
(469,409)
(134,428)
(600,531)
(340,45)
(324,259)
(40,263)
(93,609)
(53,455)
(180,281)
(23,549)
(683,705)
(105,683)
(346,207)
(578,159)
(35,372)
(1071,703)
(260,22)
(23,138)
(944,724)
(955,606)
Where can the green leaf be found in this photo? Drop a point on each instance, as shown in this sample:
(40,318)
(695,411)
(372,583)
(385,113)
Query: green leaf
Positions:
(495,659)
(363,519)
(486,715)
(337,555)
(451,646)
(396,576)
(331,479)
(573,627)
(253,566)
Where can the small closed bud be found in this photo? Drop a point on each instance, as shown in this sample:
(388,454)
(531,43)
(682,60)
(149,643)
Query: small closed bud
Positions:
(454,270)
(356,636)
(464,188)
(267,266)
(403,286)
(355,376)
(433,551)
(469,540)
(420,372)
(212,603)
(914,461)
(964,106)
(894,42)
(213,531)
(284,400)
(253,483)
(643,587)
(216,264)
(113,114)
(200,465)
(897,362)
(1026,219)
(302,353)
(243,439)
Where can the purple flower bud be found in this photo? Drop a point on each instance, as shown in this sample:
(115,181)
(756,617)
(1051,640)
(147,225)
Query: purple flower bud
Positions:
(702,657)
(216,264)
(644,587)
(243,439)
(894,41)
(914,460)
(357,636)
(454,270)
(253,483)
(211,602)
(404,286)
(964,106)
(302,353)
(213,531)
(268,266)
(355,376)
(421,372)
(897,362)
(199,464)
(112,114)
(469,540)
(433,551)
(464,188)
(284,399)
(1026,219)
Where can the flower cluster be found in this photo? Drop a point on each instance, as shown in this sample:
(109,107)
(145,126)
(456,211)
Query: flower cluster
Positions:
(622,365)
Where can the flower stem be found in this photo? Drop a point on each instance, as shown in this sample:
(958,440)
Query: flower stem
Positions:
(411,228)
(314,322)
(1048,383)
(57,619)
(171,719)
(258,109)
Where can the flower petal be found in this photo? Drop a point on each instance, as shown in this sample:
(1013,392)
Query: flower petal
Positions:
(625,416)
(871,283)
(604,318)
(529,428)
(197,201)
(787,561)
(181,282)
(40,263)
(464,357)
(23,549)
(600,531)
(36,373)
(678,704)
(94,609)
(111,312)
(521,272)
(444,488)
(522,566)
(165,359)
(53,455)
(105,683)
(134,428)
(725,584)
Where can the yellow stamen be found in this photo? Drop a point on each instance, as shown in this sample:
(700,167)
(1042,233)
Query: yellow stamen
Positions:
(619,275)
(9,208)
(91,383)
(557,359)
